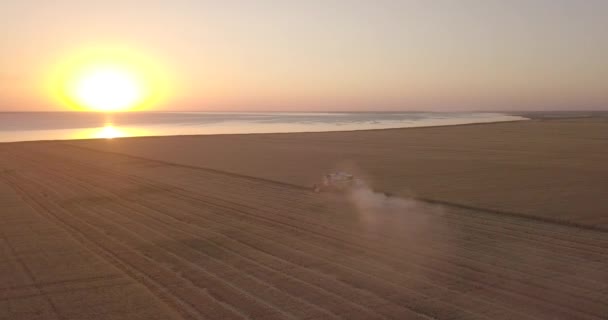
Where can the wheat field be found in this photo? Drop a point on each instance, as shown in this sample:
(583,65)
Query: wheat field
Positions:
(92,234)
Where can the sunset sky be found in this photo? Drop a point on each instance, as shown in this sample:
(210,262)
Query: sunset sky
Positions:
(319,55)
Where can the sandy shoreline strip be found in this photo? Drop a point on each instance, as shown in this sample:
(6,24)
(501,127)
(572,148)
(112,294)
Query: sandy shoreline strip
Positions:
(225,227)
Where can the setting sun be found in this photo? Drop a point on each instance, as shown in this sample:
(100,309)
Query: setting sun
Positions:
(108,89)
(108,81)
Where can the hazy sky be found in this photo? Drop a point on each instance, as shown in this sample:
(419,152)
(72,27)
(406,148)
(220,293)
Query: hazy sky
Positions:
(325,55)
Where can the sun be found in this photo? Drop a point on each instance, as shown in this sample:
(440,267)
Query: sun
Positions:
(108,89)
(108,80)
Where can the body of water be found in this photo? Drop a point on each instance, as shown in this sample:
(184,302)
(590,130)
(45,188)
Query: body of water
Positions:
(32,126)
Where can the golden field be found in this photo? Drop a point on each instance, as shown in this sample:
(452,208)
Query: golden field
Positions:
(492,221)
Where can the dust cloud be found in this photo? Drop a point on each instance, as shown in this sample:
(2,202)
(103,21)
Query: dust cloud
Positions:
(384,212)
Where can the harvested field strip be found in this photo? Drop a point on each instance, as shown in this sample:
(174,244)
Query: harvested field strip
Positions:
(212,245)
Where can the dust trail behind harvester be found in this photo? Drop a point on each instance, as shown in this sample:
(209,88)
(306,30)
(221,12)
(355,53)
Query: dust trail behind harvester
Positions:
(386,213)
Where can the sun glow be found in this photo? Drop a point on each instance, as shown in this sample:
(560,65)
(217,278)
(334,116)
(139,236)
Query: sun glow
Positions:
(108,89)
(108,81)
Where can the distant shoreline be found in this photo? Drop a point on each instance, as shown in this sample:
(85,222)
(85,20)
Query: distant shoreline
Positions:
(276,133)
(525,116)
(60,126)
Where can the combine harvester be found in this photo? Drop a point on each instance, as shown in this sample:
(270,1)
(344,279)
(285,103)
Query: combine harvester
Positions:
(338,182)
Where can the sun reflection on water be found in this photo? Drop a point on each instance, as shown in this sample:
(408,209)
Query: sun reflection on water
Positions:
(109,131)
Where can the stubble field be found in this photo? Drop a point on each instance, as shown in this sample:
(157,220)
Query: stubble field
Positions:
(88,234)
